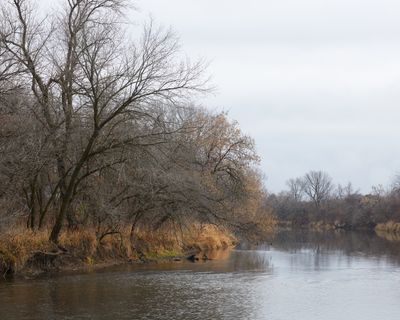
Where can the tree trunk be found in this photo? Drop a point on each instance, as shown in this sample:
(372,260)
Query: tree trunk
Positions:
(69,192)
(55,232)
(32,206)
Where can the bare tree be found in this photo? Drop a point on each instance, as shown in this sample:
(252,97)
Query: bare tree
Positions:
(396,184)
(9,71)
(88,82)
(317,186)
(296,189)
(347,191)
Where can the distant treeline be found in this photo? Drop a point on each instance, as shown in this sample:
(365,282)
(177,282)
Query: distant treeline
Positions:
(314,200)
(99,130)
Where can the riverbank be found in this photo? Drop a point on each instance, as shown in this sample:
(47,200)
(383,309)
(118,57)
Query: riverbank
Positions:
(29,253)
(388,231)
(390,226)
(318,271)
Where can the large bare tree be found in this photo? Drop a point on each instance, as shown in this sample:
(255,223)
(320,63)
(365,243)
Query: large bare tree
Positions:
(89,82)
(318,186)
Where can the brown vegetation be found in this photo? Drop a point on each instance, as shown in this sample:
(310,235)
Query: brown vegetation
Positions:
(101,143)
(390,226)
(313,201)
(25,251)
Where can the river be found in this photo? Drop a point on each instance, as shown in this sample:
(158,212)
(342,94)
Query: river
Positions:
(290,276)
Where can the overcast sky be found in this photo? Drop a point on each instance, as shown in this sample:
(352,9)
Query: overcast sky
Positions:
(316,83)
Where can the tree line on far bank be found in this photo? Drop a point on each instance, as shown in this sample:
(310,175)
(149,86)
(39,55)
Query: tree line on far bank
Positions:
(314,199)
(100,129)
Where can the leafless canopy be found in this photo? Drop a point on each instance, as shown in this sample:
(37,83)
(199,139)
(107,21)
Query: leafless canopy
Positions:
(318,186)
(106,120)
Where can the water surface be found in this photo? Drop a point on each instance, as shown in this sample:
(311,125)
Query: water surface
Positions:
(292,275)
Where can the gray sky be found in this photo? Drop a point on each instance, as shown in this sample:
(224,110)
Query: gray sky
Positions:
(314,82)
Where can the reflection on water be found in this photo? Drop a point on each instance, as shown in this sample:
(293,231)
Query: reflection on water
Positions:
(345,244)
(389,235)
(292,275)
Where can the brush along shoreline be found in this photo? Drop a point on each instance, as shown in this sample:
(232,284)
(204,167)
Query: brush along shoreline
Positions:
(29,254)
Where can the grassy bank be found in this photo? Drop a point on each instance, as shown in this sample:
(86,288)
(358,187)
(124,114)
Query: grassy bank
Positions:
(389,230)
(391,226)
(28,252)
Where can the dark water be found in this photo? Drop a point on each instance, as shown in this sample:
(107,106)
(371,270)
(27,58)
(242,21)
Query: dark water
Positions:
(292,276)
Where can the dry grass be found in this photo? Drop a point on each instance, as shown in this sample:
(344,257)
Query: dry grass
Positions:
(320,226)
(208,237)
(389,230)
(21,243)
(84,248)
(390,226)
(173,241)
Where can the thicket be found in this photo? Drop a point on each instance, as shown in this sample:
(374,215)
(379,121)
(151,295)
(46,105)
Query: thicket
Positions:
(99,129)
(315,200)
